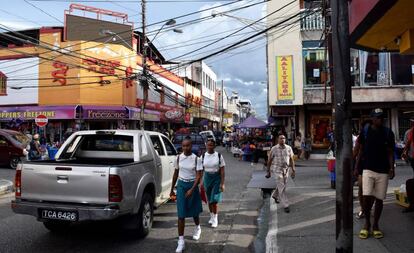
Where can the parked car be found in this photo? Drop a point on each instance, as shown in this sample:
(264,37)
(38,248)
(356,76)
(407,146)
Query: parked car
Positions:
(98,175)
(219,137)
(199,145)
(12,147)
(207,134)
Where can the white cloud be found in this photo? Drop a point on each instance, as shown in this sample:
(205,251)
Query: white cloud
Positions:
(244,69)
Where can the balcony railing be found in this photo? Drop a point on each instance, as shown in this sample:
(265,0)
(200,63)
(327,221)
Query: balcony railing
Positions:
(311,22)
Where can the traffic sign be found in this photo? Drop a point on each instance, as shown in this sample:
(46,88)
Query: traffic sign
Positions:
(41,120)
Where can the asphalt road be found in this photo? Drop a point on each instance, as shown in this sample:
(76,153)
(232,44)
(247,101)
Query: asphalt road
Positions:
(310,226)
(236,232)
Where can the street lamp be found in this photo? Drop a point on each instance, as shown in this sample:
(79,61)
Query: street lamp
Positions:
(255,25)
(114,36)
(144,45)
(168,23)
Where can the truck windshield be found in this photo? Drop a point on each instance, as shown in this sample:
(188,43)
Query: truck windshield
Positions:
(117,143)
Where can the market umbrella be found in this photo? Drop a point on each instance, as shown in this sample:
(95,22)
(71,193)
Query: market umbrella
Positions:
(252,122)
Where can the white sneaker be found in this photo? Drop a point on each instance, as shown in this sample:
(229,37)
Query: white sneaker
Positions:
(214,224)
(211,218)
(197,233)
(180,247)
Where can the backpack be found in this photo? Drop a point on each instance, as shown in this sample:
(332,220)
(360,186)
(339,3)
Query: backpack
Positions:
(202,159)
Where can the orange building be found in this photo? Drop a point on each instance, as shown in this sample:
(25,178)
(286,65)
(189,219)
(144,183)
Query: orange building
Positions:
(82,76)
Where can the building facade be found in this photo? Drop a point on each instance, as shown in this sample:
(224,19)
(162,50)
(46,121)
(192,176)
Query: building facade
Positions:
(82,83)
(299,85)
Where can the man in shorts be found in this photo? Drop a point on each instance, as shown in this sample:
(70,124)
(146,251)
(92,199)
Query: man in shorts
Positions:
(377,144)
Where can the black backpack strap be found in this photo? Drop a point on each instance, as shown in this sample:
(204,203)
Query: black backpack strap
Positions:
(202,159)
(219,156)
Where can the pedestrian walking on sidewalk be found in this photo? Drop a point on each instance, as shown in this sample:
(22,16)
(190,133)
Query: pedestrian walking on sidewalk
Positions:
(408,153)
(35,152)
(281,161)
(377,144)
(187,174)
(213,165)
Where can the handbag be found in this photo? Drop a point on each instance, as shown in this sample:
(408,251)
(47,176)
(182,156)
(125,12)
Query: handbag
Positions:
(203,194)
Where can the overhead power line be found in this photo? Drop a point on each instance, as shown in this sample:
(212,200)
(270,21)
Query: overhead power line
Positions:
(40,9)
(218,40)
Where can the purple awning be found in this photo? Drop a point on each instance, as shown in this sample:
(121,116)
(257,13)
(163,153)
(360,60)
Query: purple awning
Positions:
(31,112)
(252,122)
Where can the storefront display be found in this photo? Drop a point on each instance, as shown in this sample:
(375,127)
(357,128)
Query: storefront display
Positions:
(320,127)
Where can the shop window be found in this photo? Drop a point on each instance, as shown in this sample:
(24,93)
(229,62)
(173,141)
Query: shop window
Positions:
(404,124)
(314,66)
(402,69)
(162,98)
(3,84)
(355,68)
(374,68)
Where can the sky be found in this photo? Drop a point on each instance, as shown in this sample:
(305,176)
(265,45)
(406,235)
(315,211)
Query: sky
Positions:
(242,70)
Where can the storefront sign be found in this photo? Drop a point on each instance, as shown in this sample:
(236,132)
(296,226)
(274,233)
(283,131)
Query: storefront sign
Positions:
(284,79)
(104,112)
(31,112)
(187,118)
(228,115)
(41,120)
(149,115)
(173,114)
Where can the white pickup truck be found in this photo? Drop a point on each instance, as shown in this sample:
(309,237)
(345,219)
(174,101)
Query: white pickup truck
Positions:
(99,175)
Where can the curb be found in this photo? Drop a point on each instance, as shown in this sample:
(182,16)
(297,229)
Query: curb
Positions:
(6,186)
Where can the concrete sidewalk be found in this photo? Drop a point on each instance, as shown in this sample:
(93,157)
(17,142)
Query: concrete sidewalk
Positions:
(310,227)
(6,186)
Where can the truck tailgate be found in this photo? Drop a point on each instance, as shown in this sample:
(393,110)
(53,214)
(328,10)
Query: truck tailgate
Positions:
(74,184)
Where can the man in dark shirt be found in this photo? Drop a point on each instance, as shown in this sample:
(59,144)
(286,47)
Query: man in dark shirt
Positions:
(375,145)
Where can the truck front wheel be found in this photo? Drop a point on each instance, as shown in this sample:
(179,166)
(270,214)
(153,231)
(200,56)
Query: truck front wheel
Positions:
(145,215)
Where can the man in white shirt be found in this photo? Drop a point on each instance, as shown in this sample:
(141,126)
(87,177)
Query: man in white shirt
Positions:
(281,158)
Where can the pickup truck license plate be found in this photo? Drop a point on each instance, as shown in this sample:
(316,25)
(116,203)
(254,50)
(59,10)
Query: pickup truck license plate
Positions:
(59,215)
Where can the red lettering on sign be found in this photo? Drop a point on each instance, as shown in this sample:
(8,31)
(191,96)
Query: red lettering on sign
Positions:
(59,75)
(101,66)
(128,73)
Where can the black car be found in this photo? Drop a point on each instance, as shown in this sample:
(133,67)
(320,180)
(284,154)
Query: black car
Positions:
(219,137)
(199,147)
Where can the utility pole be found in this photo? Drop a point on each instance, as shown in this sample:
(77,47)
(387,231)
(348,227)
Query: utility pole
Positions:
(144,77)
(343,117)
(222,104)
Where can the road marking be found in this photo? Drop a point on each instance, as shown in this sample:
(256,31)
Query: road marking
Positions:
(271,238)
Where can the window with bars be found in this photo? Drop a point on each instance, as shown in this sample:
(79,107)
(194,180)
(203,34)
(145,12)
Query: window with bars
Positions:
(3,84)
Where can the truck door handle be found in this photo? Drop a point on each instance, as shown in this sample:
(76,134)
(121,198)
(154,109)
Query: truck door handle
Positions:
(62,179)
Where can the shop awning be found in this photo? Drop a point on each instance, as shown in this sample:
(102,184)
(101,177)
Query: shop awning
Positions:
(149,115)
(252,122)
(31,112)
(382,25)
